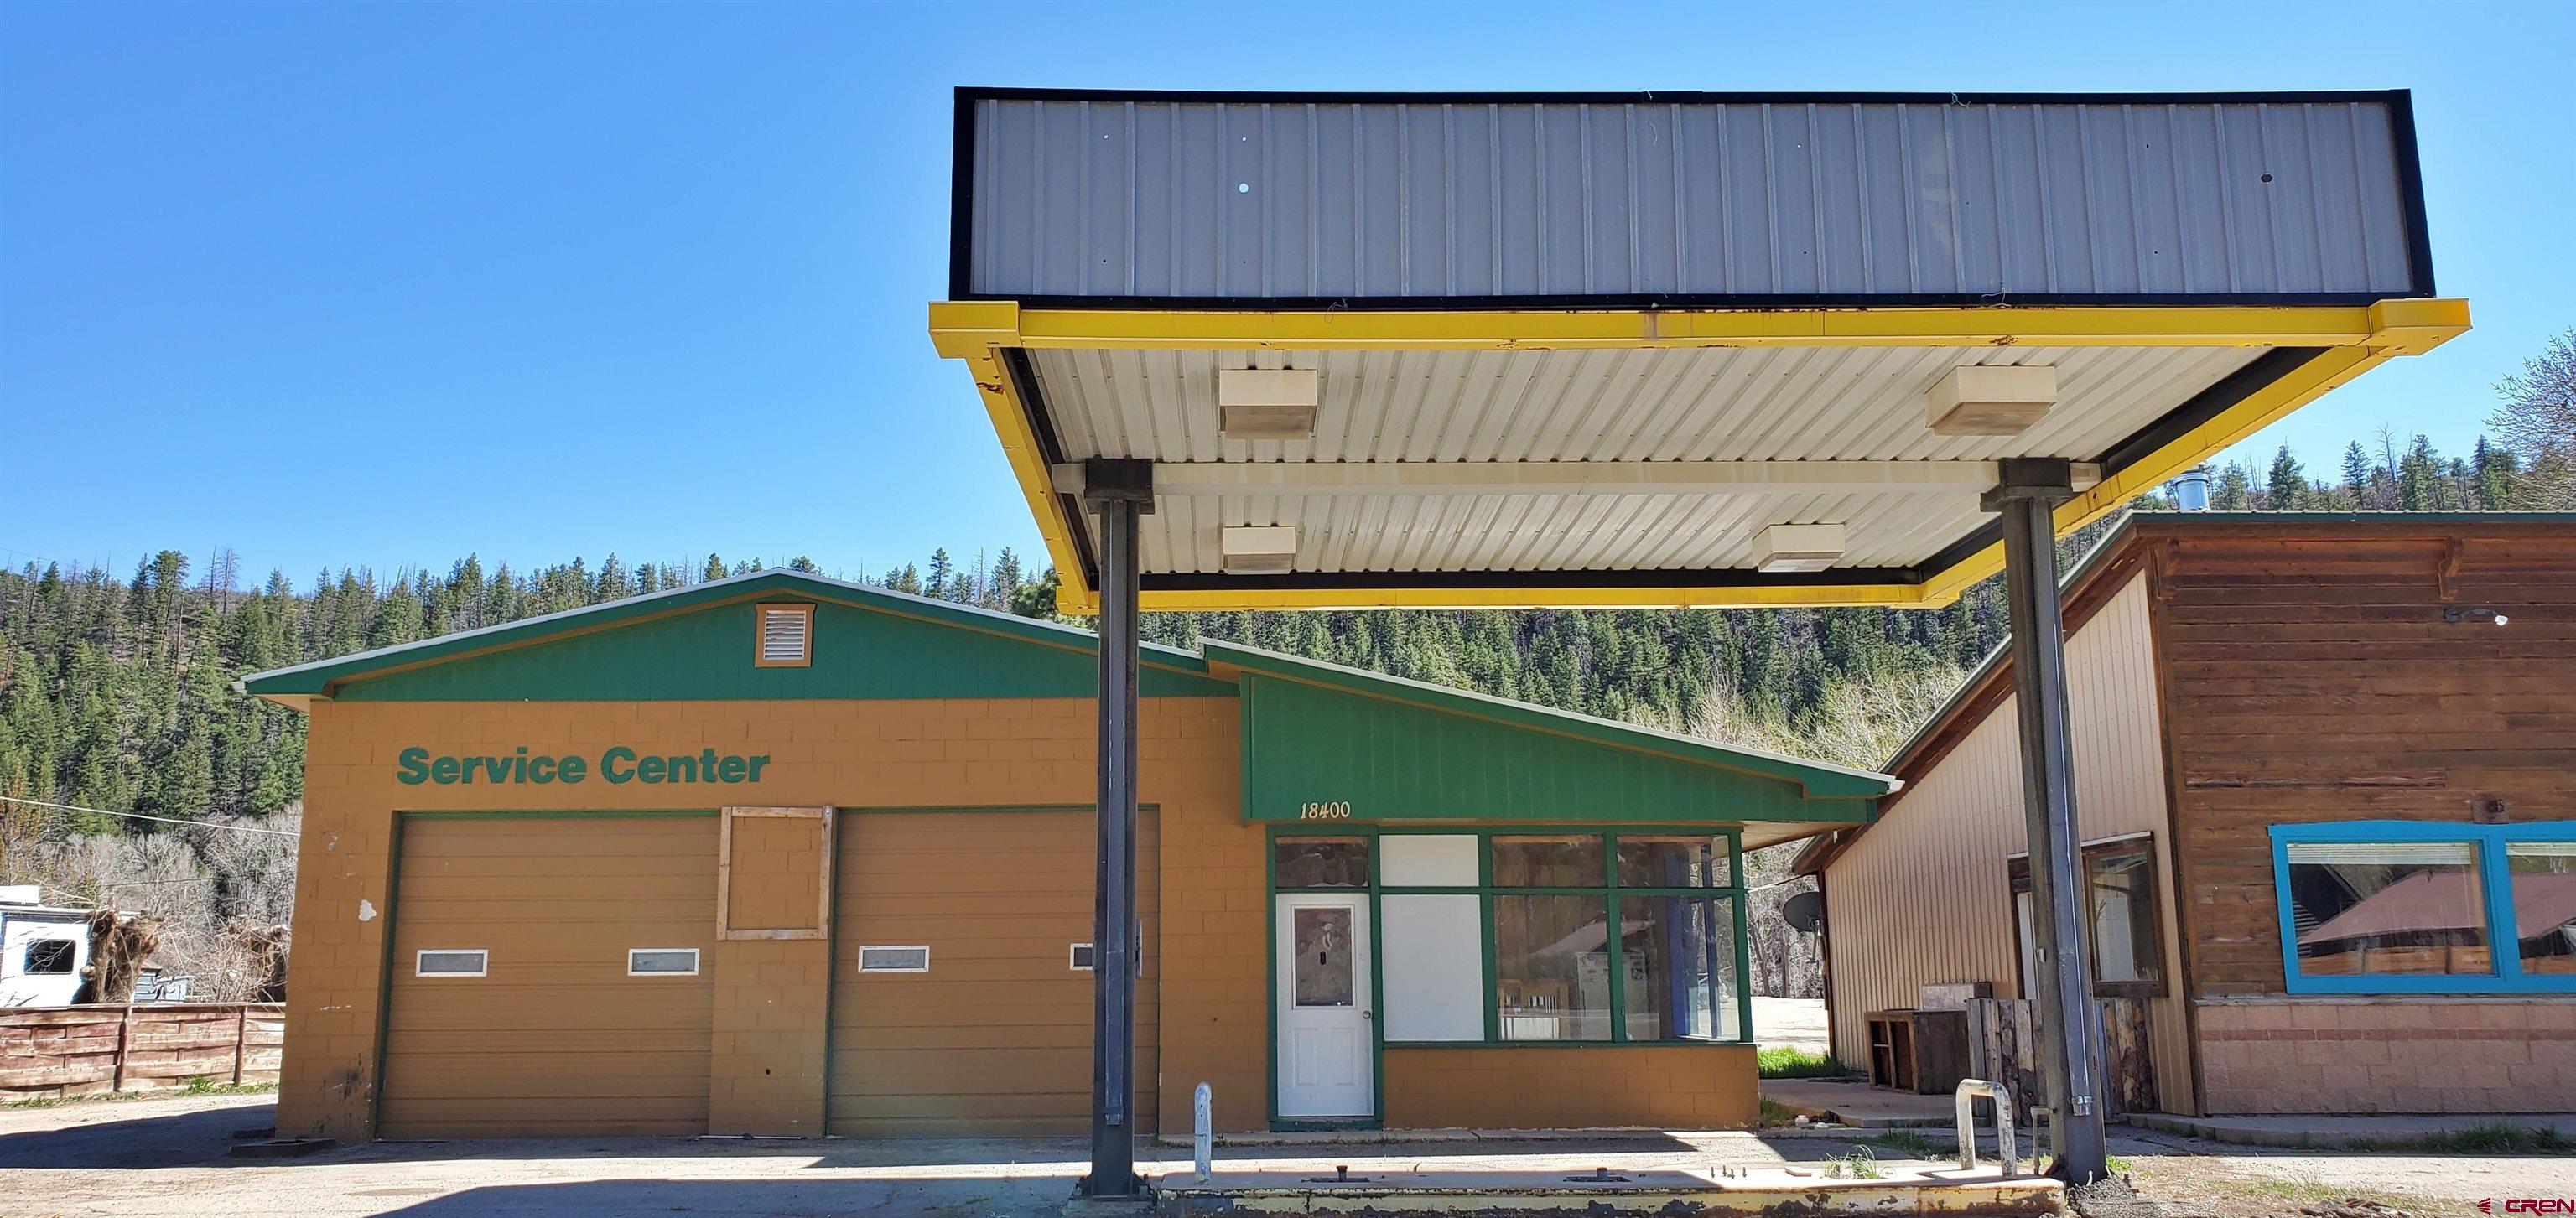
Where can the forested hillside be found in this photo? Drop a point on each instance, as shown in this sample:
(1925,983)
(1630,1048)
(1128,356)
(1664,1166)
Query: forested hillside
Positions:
(115,692)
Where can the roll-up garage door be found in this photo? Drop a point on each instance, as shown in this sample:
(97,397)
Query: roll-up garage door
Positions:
(516,1009)
(991,1034)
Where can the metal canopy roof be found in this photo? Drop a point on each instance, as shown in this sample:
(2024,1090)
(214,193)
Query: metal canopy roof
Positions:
(1585,350)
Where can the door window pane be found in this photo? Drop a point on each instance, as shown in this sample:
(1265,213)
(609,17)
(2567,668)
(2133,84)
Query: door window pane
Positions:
(1679,957)
(1672,862)
(1548,862)
(1321,862)
(1323,946)
(1552,966)
(2387,909)
(2121,887)
(2544,904)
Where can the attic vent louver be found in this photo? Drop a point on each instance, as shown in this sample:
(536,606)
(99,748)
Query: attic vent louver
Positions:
(786,636)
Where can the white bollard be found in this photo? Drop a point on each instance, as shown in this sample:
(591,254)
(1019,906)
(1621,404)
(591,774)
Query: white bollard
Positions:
(1203,1140)
(1969,1090)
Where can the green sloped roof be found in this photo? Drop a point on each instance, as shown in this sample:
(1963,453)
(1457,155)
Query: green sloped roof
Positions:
(696,643)
(1480,738)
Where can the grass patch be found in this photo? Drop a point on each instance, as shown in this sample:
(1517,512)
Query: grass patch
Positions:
(2117,1165)
(1789,1061)
(1913,1144)
(1860,1164)
(1776,1115)
(200,1084)
(2483,1138)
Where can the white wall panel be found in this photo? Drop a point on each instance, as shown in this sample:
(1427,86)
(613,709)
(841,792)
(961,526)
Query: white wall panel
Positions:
(1434,966)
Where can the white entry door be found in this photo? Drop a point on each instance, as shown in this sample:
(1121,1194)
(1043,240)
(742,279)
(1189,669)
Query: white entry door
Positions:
(1326,1012)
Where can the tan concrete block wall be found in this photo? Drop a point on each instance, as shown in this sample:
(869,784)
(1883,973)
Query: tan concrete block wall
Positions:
(1215,933)
(772,1021)
(2372,1055)
(1663,1086)
(925,753)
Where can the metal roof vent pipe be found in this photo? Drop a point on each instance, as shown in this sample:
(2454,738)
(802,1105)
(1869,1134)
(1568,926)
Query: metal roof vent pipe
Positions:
(2191,490)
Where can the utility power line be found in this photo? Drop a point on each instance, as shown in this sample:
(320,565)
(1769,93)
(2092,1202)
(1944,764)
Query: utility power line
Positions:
(166,820)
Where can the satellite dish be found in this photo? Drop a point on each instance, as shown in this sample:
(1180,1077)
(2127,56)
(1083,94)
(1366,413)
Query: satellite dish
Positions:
(1805,911)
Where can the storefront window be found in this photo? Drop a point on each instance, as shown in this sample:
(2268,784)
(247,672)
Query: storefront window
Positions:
(1548,862)
(1673,862)
(1679,956)
(1552,967)
(1320,862)
(1530,937)
(2387,908)
(2544,905)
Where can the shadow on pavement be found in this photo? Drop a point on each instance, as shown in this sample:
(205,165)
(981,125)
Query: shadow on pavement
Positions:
(203,1138)
(925,1198)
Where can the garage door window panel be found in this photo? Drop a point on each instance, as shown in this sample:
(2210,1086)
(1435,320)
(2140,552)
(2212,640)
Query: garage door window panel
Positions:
(452,962)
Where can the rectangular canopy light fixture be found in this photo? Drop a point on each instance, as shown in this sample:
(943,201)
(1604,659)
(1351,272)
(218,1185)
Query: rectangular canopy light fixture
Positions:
(1269,549)
(1801,547)
(1984,401)
(1267,403)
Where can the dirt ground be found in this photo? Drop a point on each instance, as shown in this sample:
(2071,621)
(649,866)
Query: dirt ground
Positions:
(1797,1022)
(145,1158)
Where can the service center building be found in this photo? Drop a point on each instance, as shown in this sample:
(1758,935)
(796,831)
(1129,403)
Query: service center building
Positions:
(780,855)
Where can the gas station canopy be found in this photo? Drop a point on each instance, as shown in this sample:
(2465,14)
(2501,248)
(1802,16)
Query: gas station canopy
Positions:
(1651,349)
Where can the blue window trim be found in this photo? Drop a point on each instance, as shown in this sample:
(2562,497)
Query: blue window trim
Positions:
(2504,943)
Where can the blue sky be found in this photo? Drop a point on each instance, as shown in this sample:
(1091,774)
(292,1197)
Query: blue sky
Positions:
(386,284)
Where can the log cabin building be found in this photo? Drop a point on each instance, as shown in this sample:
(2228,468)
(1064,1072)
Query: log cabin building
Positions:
(2323,768)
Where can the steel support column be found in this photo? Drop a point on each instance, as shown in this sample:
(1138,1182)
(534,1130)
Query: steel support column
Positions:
(2071,1028)
(1119,492)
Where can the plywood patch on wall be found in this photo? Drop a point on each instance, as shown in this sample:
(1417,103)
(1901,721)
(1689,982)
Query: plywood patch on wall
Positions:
(774,874)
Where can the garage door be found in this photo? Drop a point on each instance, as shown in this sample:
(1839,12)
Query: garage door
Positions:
(514,1012)
(993,1034)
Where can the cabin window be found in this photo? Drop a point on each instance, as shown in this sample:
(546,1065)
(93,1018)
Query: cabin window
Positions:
(2121,913)
(2387,908)
(50,957)
(2544,883)
(2426,907)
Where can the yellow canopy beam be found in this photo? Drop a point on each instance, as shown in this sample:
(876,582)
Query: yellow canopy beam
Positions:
(2358,338)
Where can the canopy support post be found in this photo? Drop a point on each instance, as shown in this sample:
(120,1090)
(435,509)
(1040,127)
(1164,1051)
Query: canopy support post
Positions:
(2071,1040)
(1119,492)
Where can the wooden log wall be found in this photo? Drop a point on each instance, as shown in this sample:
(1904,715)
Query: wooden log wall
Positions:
(62,1052)
(2308,675)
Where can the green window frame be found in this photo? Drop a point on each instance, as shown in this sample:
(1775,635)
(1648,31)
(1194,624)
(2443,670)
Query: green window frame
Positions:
(1609,891)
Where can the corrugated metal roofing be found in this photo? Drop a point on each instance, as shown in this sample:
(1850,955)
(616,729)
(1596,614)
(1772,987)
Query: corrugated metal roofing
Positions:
(1110,195)
(1687,404)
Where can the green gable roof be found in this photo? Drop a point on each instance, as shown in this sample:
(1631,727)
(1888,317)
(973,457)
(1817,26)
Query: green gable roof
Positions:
(696,643)
(1313,732)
